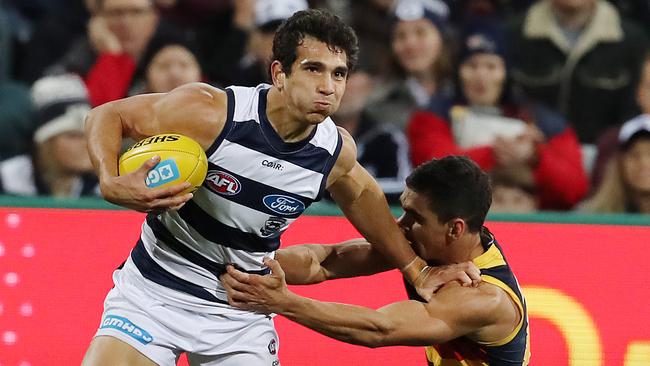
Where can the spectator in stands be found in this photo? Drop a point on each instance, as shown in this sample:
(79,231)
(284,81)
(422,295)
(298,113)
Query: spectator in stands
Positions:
(121,37)
(244,56)
(513,191)
(637,10)
(381,149)
(625,187)
(16,112)
(172,66)
(52,37)
(59,164)
(369,19)
(580,58)
(607,143)
(420,54)
(492,127)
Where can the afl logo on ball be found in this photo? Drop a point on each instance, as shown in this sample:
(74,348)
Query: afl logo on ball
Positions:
(222,183)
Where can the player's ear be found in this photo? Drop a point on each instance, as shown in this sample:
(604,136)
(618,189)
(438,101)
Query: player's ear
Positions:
(277,74)
(456,228)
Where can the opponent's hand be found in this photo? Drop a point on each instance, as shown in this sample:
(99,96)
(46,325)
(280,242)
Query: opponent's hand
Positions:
(263,294)
(130,191)
(431,279)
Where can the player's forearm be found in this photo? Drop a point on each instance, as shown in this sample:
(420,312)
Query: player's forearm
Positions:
(347,323)
(104,136)
(370,214)
(314,263)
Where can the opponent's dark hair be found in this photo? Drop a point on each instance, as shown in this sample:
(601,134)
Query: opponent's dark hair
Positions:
(320,24)
(455,187)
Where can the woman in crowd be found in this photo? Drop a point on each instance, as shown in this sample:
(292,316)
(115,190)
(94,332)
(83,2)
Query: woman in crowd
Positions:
(418,47)
(488,124)
(625,187)
(59,164)
(171,66)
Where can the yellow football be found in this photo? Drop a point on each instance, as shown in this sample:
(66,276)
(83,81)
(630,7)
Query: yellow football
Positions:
(181,159)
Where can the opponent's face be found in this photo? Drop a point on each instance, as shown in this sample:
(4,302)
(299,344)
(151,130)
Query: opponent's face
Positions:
(133,22)
(317,81)
(482,77)
(416,44)
(172,66)
(636,166)
(421,226)
(643,90)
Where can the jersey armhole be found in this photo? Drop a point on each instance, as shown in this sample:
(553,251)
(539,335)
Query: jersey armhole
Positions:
(329,165)
(227,125)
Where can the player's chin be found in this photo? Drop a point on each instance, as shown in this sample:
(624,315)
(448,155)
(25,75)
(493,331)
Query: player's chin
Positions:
(316,117)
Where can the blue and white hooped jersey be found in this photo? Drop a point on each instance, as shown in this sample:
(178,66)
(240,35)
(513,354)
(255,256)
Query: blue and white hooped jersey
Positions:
(256,186)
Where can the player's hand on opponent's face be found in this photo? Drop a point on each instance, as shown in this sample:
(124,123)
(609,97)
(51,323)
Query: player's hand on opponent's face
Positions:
(263,294)
(432,279)
(130,190)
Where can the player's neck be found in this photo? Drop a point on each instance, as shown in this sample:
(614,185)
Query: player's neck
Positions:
(287,126)
(467,248)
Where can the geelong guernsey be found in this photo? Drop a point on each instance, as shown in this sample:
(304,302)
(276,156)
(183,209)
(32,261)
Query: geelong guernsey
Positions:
(256,186)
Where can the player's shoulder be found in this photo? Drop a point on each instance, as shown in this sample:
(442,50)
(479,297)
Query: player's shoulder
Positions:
(348,155)
(199,92)
(197,110)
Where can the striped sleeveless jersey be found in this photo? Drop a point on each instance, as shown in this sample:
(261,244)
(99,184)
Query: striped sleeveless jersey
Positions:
(256,186)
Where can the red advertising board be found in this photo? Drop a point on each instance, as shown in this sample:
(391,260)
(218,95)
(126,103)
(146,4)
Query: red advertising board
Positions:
(587,288)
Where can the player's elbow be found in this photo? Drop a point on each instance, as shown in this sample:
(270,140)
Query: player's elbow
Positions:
(378,335)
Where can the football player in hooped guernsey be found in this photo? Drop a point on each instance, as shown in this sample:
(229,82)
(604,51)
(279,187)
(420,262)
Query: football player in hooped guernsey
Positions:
(272,150)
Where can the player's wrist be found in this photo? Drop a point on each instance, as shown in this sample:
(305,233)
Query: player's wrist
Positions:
(412,272)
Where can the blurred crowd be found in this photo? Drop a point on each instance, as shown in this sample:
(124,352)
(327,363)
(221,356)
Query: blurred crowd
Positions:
(551,97)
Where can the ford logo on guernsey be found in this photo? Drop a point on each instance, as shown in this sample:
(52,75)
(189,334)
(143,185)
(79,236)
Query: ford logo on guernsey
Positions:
(283,205)
(124,325)
(222,183)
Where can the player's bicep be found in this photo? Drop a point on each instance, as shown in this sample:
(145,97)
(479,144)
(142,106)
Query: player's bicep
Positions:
(349,187)
(196,110)
(136,114)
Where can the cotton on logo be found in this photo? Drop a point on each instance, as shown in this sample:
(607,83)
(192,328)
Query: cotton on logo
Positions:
(222,183)
(164,172)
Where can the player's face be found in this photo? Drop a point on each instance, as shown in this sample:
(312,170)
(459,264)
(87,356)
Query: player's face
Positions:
(421,226)
(482,77)
(317,81)
(636,166)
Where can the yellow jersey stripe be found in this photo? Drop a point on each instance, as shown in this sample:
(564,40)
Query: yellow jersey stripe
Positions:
(511,293)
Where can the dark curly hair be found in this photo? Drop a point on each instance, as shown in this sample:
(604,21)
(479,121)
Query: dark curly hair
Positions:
(322,25)
(455,187)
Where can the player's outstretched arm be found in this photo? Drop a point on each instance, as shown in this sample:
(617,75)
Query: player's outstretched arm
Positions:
(314,263)
(195,110)
(484,313)
(364,204)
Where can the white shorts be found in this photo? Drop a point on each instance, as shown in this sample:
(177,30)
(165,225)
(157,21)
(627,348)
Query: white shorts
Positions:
(162,332)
